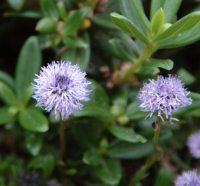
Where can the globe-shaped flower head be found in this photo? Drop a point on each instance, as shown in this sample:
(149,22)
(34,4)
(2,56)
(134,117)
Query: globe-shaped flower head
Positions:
(193,143)
(188,178)
(61,87)
(163,96)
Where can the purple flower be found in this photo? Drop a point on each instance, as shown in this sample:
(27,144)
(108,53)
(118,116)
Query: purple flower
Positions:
(61,87)
(188,178)
(193,143)
(163,96)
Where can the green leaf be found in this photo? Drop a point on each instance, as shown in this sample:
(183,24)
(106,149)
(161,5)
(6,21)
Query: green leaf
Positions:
(186,77)
(124,150)
(79,55)
(7,79)
(33,120)
(33,143)
(92,109)
(109,171)
(127,26)
(16,4)
(5,116)
(182,25)
(45,162)
(74,20)
(92,157)
(164,177)
(157,22)
(166,64)
(7,95)
(49,9)
(97,106)
(182,39)
(28,64)
(133,112)
(126,134)
(103,20)
(46,25)
(27,14)
(48,165)
(134,11)
(170,8)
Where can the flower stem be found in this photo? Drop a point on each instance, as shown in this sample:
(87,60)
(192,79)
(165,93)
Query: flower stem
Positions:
(156,156)
(137,63)
(63,125)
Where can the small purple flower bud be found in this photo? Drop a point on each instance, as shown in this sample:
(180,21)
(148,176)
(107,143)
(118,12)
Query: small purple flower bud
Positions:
(61,87)
(188,178)
(193,143)
(163,96)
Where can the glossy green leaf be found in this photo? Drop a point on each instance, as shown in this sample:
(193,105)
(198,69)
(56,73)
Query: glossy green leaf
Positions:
(127,26)
(157,22)
(28,64)
(109,171)
(182,25)
(16,4)
(46,25)
(49,9)
(7,79)
(5,116)
(134,11)
(170,8)
(133,112)
(74,20)
(33,120)
(7,95)
(165,177)
(79,55)
(126,134)
(33,143)
(166,64)
(124,150)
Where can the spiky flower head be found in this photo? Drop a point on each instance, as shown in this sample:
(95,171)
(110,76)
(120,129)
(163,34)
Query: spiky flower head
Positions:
(193,143)
(61,87)
(163,96)
(188,178)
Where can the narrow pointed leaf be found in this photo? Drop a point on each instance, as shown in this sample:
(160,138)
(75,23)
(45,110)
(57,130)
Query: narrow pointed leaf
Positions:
(170,8)
(182,39)
(127,26)
(157,22)
(133,10)
(182,25)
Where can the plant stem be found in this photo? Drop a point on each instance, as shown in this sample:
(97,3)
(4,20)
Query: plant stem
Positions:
(141,173)
(146,54)
(63,125)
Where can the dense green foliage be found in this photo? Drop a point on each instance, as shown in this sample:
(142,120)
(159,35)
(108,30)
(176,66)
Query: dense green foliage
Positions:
(117,42)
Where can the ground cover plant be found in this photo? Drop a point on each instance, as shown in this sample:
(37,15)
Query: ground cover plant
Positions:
(99,93)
